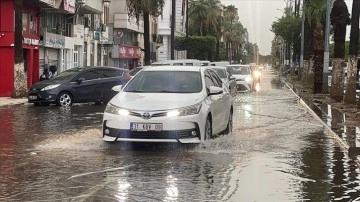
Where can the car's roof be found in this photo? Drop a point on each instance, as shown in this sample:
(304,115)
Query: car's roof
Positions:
(99,67)
(174,68)
(237,65)
(217,67)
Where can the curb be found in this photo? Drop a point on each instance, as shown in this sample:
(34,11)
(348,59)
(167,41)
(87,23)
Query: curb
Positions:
(12,102)
(343,145)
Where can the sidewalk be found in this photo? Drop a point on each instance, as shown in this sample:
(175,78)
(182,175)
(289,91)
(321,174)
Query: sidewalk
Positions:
(5,101)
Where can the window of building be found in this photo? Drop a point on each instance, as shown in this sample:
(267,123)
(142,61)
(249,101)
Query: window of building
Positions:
(25,22)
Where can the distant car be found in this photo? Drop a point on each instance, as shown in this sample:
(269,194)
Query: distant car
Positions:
(86,84)
(183,62)
(227,78)
(185,104)
(243,77)
(221,63)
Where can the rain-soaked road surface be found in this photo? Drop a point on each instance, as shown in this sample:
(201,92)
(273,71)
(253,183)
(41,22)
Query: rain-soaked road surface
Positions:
(277,152)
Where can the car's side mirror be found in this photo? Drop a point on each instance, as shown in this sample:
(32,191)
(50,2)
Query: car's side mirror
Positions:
(117,88)
(80,80)
(214,90)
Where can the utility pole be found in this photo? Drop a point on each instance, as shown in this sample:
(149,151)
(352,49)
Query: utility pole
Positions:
(187,18)
(173,25)
(325,89)
(301,67)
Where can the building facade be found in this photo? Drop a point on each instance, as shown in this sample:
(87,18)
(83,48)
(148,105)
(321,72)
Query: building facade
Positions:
(164,29)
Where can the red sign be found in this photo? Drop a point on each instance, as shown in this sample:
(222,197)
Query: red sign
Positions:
(129,52)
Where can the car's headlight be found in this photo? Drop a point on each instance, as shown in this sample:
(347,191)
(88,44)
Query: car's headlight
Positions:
(257,74)
(49,87)
(112,109)
(248,79)
(185,111)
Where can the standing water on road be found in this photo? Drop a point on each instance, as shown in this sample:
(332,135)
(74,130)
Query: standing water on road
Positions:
(277,152)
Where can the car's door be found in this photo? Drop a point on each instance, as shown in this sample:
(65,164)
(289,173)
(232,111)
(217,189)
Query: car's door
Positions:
(232,83)
(111,78)
(215,103)
(85,87)
(225,99)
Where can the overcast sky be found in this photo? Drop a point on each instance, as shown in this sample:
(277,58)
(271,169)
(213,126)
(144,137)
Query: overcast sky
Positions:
(258,15)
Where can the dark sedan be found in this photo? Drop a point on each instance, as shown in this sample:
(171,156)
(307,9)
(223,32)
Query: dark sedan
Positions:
(86,84)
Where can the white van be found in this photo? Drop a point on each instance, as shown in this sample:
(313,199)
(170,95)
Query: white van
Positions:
(205,63)
(184,62)
(221,63)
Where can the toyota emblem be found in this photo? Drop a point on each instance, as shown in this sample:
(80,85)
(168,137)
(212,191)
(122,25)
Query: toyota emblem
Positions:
(146,115)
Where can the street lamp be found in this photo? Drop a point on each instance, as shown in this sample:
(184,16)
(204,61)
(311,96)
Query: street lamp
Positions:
(106,3)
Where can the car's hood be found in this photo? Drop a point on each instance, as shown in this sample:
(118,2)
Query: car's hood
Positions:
(43,84)
(155,101)
(241,76)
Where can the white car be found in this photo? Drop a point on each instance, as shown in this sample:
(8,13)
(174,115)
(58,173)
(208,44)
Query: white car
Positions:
(243,77)
(186,104)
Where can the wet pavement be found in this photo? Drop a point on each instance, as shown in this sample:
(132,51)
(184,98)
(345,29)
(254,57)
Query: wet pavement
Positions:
(277,152)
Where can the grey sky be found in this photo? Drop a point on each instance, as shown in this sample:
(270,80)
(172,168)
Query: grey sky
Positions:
(258,15)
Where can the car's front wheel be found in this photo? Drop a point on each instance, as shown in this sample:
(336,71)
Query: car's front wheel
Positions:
(229,127)
(64,99)
(208,129)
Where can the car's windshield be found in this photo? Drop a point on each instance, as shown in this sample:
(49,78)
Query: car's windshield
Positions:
(134,71)
(166,82)
(239,70)
(221,73)
(68,74)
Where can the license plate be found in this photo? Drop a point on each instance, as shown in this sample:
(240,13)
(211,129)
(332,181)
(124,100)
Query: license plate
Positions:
(32,97)
(146,126)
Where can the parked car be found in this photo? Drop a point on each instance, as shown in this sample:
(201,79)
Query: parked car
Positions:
(227,78)
(136,70)
(184,62)
(243,77)
(221,63)
(86,84)
(186,104)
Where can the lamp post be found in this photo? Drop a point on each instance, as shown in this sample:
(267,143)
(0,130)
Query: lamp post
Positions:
(173,25)
(326,48)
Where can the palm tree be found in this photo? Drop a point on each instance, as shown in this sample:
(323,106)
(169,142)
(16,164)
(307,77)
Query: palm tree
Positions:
(143,9)
(350,94)
(20,82)
(230,16)
(339,20)
(315,10)
(308,33)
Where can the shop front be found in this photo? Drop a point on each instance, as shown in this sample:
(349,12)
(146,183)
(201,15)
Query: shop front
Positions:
(52,50)
(31,36)
(126,56)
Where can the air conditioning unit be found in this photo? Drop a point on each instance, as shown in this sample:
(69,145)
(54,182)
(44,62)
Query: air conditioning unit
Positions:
(80,2)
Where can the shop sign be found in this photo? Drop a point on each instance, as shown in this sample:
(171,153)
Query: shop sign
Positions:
(28,41)
(129,52)
(118,33)
(79,31)
(54,41)
(70,6)
(96,35)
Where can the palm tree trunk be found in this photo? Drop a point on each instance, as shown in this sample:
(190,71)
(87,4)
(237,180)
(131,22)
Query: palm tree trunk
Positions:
(20,85)
(350,93)
(217,54)
(318,58)
(308,33)
(147,38)
(337,88)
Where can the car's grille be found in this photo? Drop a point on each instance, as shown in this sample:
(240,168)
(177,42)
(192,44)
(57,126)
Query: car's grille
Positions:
(158,114)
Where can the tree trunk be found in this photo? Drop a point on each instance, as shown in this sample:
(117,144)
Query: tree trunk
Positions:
(318,58)
(305,71)
(337,87)
(20,80)
(350,93)
(308,33)
(217,54)
(227,50)
(147,38)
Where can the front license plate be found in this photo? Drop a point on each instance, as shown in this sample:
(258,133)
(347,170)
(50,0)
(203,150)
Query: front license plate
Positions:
(146,126)
(32,97)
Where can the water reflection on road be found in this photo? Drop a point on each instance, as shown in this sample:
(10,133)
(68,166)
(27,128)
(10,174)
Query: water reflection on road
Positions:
(277,152)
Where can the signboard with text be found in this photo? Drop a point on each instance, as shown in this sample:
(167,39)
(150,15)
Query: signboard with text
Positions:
(129,52)
(70,6)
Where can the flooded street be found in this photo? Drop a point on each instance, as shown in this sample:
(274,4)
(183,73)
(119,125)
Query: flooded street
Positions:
(277,152)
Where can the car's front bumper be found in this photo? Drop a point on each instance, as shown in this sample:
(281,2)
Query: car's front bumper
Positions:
(183,129)
(37,96)
(243,86)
